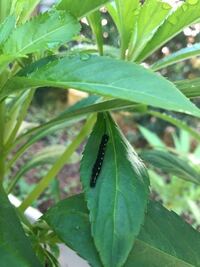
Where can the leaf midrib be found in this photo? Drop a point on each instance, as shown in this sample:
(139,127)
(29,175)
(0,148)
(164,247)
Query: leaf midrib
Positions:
(40,38)
(116,184)
(74,83)
(163,252)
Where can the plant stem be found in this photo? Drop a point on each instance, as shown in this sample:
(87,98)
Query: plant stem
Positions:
(123,49)
(43,184)
(2,158)
(20,119)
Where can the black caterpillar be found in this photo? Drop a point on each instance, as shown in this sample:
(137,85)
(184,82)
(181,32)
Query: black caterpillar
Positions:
(99,161)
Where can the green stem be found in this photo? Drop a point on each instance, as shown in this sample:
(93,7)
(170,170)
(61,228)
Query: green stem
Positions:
(43,184)
(2,157)
(20,119)
(123,49)
(13,182)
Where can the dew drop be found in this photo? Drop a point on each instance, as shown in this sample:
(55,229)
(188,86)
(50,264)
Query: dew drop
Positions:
(192,2)
(136,12)
(52,45)
(166,6)
(71,56)
(184,7)
(84,57)
(172,20)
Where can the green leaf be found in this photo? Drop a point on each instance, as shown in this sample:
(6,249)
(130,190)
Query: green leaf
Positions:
(190,88)
(124,13)
(15,248)
(165,239)
(178,123)
(95,24)
(186,14)
(74,7)
(151,16)
(43,32)
(120,195)
(23,9)
(151,137)
(182,141)
(70,220)
(107,77)
(6,28)
(171,164)
(178,56)
(5,7)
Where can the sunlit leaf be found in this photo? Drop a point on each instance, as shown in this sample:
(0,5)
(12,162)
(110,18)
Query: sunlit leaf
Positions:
(151,16)
(178,56)
(186,14)
(43,32)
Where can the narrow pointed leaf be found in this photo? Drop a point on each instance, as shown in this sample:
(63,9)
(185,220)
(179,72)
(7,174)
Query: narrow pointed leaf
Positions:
(171,164)
(190,88)
(183,54)
(165,239)
(15,248)
(178,123)
(153,139)
(186,14)
(43,32)
(120,195)
(107,77)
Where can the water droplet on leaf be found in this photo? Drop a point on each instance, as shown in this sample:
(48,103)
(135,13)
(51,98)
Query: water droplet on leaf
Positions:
(84,57)
(166,6)
(184,7)
(192,2)
(52,45)
(172,20)
(136,12)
